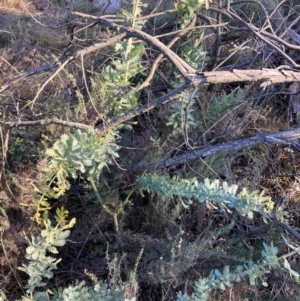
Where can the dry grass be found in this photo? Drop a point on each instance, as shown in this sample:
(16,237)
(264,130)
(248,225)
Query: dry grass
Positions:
(11,5)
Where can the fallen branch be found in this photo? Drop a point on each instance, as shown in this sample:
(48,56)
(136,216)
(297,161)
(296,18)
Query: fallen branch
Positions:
(266,76)
(101,129)
(282,74)
(47,122)
(194,79)
(63,61)
(287,138)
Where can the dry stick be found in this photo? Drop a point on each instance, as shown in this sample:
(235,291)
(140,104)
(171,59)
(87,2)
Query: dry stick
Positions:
(180,64)
(291,25)
(157,5)
(10,65)
(237,49)
(217,44)
(255,30)
(280,40)
(267,76)
(286,227)
(184,68)
(45,84)
(101,130)
(87,89)
(47,122)
(151,15)
(282,137)
(275,10)
(289,229)
(60,68)
(132,33)
(263,9)
(195,27)
(208,21)
(69,59)
(160,56)
(4,143)
(28,73)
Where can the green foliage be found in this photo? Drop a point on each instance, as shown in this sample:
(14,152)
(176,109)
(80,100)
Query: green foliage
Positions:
(130,15)
(77,291)
(114,266)
(122,70)
(81,154)
(80,291)
(40,263)
(224,195)
(115,91)
(182,119)
(227,198)
(183,116)
(221,280)
(117,82)
(213,111)
(180,255)
(187,9)
(114,87)
(193,51)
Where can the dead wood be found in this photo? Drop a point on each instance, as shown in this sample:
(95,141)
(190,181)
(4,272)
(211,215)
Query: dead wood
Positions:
(287,138)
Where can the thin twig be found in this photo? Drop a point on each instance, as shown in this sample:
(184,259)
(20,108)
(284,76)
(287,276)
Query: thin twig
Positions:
(64,61)
(160,56)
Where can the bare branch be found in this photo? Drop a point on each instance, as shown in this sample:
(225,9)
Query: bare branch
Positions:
(268,41)
(284,138)
(4,139)
(178,62)
(47,122)
(294,36)
(100,130)
(64,61)
(160,56)
(266,76)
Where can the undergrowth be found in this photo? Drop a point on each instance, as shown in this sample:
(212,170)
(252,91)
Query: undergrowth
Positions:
(204,230)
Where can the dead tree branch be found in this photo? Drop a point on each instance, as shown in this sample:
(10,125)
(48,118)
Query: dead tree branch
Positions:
(63,61)
(266,76)
(47,122)
(100,130)
(194,79)
(287,138)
